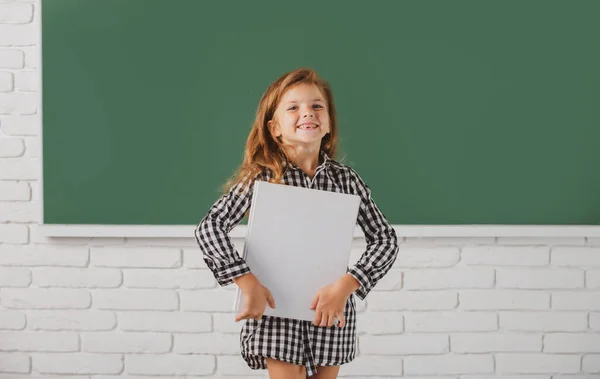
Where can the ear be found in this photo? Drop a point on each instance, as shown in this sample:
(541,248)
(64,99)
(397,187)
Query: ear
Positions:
(274,128)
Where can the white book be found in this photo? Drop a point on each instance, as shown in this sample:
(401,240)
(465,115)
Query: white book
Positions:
(298,240)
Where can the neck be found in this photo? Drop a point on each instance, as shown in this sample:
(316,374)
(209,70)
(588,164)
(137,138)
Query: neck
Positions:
(305,158)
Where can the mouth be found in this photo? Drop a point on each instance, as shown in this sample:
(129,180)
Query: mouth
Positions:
(308,126)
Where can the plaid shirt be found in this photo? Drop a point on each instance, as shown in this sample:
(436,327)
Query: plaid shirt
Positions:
(225,262)
(299,341)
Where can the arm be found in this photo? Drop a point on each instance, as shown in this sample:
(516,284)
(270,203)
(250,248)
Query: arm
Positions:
(382,242)
(212,233)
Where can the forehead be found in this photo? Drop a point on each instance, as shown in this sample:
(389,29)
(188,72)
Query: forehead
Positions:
(302,92)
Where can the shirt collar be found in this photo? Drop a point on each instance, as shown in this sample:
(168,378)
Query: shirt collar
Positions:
(326,161)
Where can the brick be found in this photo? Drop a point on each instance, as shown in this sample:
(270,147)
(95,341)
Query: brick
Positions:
(372,366)
(21,212)
(12,234)
(495,342)
(572,300)
(12,147)
(215,300)
(11,58)
(448,364)
(27,81)
(21,125)
(595,321)
(231,365)
(590,363)
(404,344)
(14,191)
(6,84)
(114,342)
(207,343)
(572,343)
(32,146)
(18,103)
(449,241)
(121,299)
(390,282)
(503,299)
(147,257)
(171,279)
(542,241)
(592,278)
(14,363)
(18,35)
(38,298)
(76,277)
(412,300)
(420,257)
(80,363)
(16,13)
(39,341)
(537,363)
(84,320)
(449,278)
(575,256)
(32,56)
(192,258)
(539,278)
(169,364)
(14,277)
(12,320)
(553,321)
(380,322)
(225,323)
(19,168)
(43,256)
(451,321)
(505,255)
(150,321)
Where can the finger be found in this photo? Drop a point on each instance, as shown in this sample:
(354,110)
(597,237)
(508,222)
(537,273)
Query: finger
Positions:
(270,299)
(317,319)
(314,303)
(323,319)
(331,319)
(342,319)
(241,316)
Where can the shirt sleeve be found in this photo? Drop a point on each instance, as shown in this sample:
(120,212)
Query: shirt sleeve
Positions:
(212,233)
(382,242)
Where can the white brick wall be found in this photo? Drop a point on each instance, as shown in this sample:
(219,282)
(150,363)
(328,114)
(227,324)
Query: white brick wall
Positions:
(107,308)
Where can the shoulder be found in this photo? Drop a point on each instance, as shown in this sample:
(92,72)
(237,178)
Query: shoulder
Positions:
(344,169)
(350,174)
(245,184)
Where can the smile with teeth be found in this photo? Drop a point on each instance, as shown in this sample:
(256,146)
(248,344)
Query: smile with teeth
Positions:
(308,126)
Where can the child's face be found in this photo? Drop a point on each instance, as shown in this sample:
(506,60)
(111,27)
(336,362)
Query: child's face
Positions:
(301,118)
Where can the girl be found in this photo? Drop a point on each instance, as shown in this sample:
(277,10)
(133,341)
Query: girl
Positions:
(293,141)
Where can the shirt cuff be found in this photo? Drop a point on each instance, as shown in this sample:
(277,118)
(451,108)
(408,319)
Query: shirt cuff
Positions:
(226,274)
(360,274)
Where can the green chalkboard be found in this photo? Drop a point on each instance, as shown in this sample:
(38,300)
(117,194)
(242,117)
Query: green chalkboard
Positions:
(454,112)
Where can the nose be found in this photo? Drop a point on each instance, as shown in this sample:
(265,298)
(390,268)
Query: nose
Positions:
(308,113)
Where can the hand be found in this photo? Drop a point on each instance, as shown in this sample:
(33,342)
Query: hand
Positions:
(330,302)
(256,297)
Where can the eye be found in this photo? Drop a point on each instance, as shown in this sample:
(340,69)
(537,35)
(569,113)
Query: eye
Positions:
(292,108)
(318,106)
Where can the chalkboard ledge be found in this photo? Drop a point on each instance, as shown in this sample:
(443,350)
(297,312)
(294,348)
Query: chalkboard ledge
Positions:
(184,231)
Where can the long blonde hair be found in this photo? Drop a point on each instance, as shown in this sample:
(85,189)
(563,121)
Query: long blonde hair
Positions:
(263,152)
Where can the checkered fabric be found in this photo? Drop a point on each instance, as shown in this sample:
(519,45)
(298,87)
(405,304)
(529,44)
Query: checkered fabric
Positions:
(295,341)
